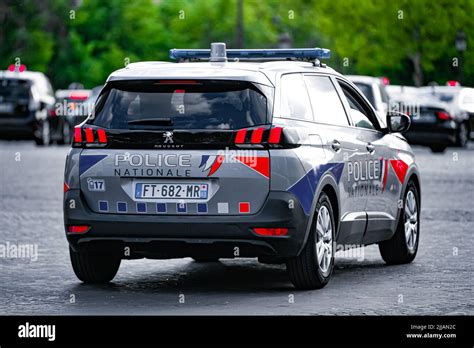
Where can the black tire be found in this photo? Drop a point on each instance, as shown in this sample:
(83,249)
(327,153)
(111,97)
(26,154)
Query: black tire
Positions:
(462,136)
(65,133)
(43,138)
(94,268)
(204,259)
(438,148)
(305,271)
(396,250)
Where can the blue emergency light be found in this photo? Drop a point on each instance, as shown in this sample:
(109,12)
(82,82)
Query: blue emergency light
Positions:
(219,53)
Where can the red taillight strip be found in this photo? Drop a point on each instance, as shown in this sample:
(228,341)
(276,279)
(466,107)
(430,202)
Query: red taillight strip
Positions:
(240,137)
(102,136)
(89,135)
(66,187)
(78,135)
(257,135)
(275,135)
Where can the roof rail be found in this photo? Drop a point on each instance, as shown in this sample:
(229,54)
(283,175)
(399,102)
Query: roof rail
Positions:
(218,53)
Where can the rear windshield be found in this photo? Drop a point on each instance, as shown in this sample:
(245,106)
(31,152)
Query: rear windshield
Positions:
(13,90)
(181,105)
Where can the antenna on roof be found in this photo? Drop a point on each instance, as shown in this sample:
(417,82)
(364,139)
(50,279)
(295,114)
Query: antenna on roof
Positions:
(219,53)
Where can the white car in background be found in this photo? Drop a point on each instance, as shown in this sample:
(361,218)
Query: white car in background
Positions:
(374,90)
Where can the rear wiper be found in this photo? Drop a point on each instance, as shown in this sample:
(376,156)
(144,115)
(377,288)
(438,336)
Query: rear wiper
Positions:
(166,121)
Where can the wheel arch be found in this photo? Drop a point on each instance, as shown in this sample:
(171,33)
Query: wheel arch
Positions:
(329,185)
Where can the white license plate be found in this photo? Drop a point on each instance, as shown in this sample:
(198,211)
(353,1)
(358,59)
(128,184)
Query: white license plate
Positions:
(6,108)
(169,191)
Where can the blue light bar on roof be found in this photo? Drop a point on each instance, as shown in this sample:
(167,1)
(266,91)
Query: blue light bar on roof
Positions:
(277,53)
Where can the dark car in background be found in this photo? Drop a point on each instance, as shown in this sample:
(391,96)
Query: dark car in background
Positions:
(26,104)
(69,111)
(438,113)
(459,103)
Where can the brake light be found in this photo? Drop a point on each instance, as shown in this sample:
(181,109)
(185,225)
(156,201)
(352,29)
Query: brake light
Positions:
(275,135)
(260,136)
(278,231)
(102,136)
(78,228)
(92,136)
(257,135)
(443,116)
(78,96)
(77,135)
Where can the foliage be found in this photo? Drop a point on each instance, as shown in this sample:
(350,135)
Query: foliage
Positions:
(410,41)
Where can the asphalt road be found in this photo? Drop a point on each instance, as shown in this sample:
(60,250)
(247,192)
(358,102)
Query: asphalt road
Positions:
(439,282)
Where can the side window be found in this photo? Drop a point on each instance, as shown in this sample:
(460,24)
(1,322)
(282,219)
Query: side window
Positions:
(360,116)
(294,98)
(327,107)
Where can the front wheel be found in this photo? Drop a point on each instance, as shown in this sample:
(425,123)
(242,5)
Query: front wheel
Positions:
(94,268)
(313,267)
(403,246)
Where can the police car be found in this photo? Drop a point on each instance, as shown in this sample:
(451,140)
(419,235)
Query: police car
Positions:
(238,153)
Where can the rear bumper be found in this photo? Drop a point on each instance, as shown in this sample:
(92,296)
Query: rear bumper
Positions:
(12,127)
(436,134)
(172,236)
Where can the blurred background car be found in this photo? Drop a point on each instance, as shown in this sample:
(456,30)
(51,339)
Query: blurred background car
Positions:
(374,90)
(460,107)
(69,111)
(26,103)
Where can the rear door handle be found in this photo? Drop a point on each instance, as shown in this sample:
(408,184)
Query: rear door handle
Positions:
(370,148)
(336,145)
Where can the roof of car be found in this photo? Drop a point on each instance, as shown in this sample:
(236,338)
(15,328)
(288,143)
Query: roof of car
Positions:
(260,72)
(364,79)
(25,75)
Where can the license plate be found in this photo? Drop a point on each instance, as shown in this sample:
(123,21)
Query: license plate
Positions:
(169,191)
(6,108)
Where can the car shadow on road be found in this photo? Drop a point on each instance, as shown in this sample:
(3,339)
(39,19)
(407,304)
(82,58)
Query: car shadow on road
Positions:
(224,277)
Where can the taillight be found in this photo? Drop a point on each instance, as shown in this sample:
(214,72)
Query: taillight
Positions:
(443,116)
(89,137)
(259,136)
(65,187)
(78,228)
(278,231)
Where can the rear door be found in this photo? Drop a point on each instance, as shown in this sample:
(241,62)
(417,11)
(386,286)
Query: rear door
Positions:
(168,147)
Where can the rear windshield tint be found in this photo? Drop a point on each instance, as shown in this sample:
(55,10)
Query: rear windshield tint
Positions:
(181,105)
(14,89)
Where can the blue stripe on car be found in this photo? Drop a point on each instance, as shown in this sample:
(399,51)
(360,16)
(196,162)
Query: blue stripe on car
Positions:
(305,187)
(87,161)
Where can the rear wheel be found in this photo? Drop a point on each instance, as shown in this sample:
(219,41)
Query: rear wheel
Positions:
(65,130)
(94,268)
(438,148)
(313,267)
(203,259)
(403,246)
(44,136)
(463,135)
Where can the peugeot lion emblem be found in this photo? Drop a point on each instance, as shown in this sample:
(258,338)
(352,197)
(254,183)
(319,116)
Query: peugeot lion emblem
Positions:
(168,137)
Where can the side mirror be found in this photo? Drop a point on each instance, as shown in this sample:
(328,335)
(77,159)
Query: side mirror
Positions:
(398,122)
